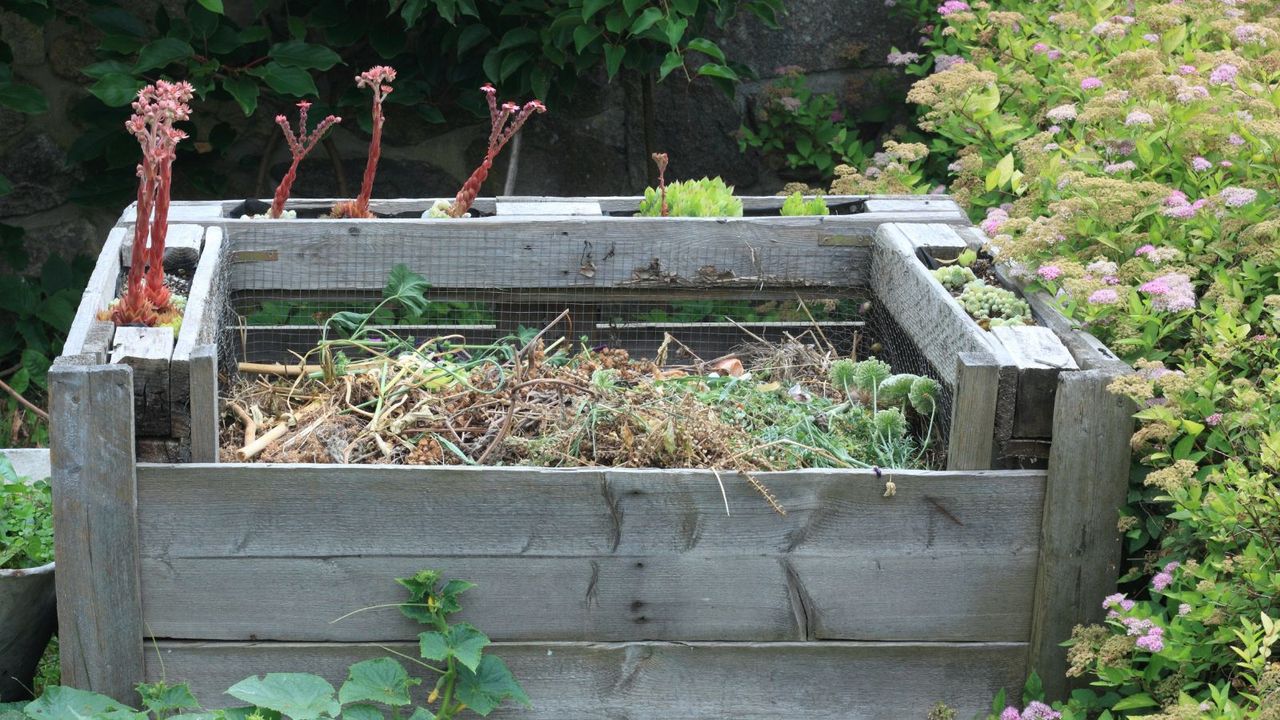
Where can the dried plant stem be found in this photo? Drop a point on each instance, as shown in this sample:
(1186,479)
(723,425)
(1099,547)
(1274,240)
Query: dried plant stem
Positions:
(25,402)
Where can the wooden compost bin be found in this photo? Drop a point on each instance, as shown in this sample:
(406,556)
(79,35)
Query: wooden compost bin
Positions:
(611,593)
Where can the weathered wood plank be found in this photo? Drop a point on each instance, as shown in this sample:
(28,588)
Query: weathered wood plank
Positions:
(98,293)
(197,318)
(32,463)
(182,211)
(548,206)
(1039,357)
(912,203)
(547,252)
(973,413)
(147,350)
(919,304)
(934,239)
(95,526)
(98,340)
(181,247)
(204,407)
(1080,545)
(600,550)
(659,681)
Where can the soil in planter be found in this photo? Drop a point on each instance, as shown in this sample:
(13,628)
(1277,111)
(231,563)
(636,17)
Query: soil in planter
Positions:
(257,207)
(795,403)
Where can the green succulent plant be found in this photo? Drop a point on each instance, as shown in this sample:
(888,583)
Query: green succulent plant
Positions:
(869,373)
(708,197)
(994,307)
(890,423)
(954,277)
(795,204)
(923,395)
(894,389)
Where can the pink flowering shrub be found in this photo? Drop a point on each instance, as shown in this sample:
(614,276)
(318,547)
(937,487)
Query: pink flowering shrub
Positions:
(1136,175)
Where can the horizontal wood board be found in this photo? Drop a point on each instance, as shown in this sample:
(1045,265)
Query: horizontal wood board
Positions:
(238,552)
(552,252)
(660,681)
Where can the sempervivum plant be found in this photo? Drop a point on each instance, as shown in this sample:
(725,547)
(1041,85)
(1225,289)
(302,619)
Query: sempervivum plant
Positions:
(378,79)
(708,197)
(299,145)
(505,122)
(146,299)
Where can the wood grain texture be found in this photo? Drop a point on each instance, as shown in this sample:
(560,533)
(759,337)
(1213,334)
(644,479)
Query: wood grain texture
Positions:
(935,239)
(181,247)
(183,211)
(919,304)
(971,444)
(95,525)
(1080,546)
(197,317)
(205,410)
(558,206)
(660,681)
(552,252)
(99,291)
(29,462)
(912,203)
(616,555)
(1039,357)
(148,351)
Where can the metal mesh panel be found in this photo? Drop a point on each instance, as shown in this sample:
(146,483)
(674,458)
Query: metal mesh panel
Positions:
(282,293)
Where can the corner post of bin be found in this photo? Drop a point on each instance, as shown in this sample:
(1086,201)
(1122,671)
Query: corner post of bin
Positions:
(92,458)
(973,412)
(1080,541)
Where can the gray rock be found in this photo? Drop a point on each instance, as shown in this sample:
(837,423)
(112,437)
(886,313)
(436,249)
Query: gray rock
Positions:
(67,238)
(12,124)
(25,39)
(38,170)
(818,36)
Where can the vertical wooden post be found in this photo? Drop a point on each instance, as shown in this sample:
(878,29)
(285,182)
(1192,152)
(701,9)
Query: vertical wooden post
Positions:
(95,525)
(973,412)
(1079,540)
(204,404)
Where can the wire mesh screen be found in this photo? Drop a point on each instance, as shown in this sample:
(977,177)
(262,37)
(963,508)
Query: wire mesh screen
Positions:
(679,299)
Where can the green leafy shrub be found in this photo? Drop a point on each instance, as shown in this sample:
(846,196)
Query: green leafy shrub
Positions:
(470,680)
(795,204)
(1126,157)
(693,198)
(804,129)
(26,520)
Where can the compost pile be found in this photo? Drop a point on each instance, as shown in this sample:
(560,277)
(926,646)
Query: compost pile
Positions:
(783,405)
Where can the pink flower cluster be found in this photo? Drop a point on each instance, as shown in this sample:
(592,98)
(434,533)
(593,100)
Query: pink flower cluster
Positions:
(1200,164)
(1178,206)
(1223,74)
(1090,83)
(996,217)
(1138,117)
(1062,113)
(1104,296)
(1213,420)
(1164,578)
(1035,710)
(1047,51)
(1171,293)
(1237,196)
(1049,272)
(902,58)
(1120,167)
(942,63)
(952,6)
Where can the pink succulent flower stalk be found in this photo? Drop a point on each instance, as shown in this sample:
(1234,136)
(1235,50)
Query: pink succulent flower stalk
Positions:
(157,108)
(299,145)
(377,79)
(500,132)
(661,159)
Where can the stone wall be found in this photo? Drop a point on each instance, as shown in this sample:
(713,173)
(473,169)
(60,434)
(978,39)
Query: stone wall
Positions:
(593,146)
